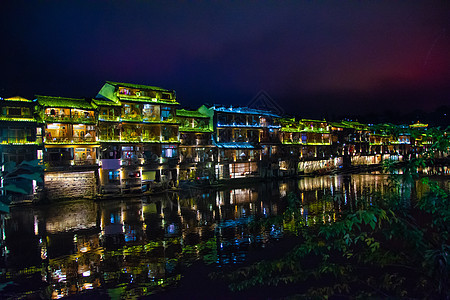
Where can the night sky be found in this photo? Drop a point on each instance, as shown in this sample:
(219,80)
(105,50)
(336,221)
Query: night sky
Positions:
(314,58)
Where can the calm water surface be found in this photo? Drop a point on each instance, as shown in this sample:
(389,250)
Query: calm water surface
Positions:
(127,248)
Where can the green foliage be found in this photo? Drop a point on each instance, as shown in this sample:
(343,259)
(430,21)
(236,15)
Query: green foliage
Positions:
(391,246)
(18,180)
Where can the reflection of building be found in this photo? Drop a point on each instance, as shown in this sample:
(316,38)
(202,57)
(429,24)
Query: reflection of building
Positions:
(138,135)
(243,138)
(196,150)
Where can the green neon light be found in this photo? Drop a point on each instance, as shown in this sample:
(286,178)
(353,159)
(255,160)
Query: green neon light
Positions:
(17,119)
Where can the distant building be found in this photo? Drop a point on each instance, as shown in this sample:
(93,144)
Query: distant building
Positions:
(20,135)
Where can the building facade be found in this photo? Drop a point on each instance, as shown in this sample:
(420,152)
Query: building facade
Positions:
(197,153)
(135,138)
(139,137)
(246,141)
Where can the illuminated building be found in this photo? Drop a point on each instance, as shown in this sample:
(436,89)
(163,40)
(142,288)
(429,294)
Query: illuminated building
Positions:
(351,140)
(70,146)
(389,139)
(307,145)
(306,138)
(70,135)
(139,137)
(196,150)
(315,137)
(359,139)
(420,140)
(20,134)
(245,138)
(20,137)
(132,138)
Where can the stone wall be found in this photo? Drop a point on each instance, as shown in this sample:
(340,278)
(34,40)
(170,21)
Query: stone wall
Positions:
(60,185)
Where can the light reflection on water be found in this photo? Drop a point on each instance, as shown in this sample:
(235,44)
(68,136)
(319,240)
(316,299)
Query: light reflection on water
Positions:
(134,247)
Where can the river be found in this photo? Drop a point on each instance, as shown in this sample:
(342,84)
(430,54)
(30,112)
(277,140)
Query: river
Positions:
(131,247)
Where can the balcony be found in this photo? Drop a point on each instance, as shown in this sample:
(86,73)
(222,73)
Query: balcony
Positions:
(151,139)
(170,139)
(131,138)
(109,118)
(68,119)
(237,125)
(132,161)
(84,139)
(292,141)
(73,140)
(132,118)
(200,143)
(195,129)
(109,138)
(317,143)
(18,140)
(85,162)
(151,118)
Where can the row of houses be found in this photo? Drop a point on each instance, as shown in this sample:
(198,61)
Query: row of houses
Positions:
(136,138)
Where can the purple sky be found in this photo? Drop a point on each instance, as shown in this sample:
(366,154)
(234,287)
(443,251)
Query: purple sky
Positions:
(315,58)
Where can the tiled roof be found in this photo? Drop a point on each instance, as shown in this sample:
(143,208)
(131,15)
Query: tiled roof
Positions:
(311,120)
(18,98)
(17,119)
(147,100)
(101,102)
(49,101)
(340,125)
(190,113)
(194,129)
(245,110)
(137,86)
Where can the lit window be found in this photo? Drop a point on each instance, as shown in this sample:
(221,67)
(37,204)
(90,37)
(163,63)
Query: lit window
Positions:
(113,175)
(166,113)
(169,151)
